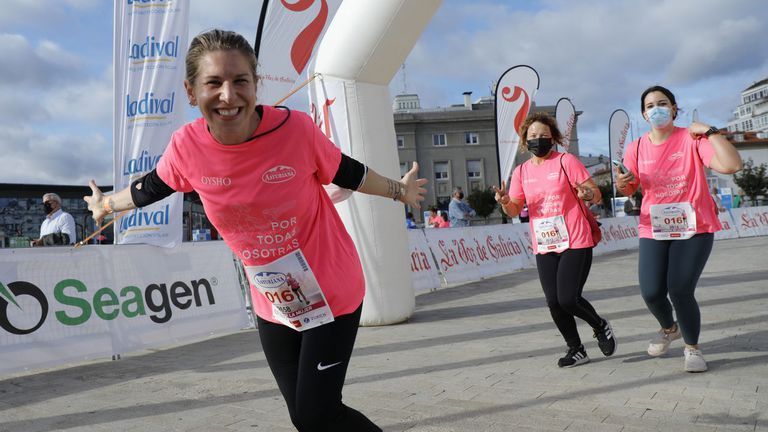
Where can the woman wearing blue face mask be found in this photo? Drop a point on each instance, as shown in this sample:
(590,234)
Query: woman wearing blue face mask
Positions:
(678,217)
(553,185)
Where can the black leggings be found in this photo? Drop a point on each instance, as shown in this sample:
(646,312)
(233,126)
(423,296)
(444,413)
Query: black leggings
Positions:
(673,267)
(562,276)
(310,368)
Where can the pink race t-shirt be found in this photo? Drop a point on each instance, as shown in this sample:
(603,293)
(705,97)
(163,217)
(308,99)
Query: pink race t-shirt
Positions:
(546,191)
(673,172)
(266,199)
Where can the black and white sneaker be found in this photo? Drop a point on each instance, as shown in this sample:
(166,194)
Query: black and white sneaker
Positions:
(574,357)
(606,340)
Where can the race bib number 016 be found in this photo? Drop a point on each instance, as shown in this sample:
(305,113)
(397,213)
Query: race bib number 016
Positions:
(289,284)
(675,221)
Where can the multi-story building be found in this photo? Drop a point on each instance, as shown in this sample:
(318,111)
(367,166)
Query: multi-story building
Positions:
(752,114)
(454,146)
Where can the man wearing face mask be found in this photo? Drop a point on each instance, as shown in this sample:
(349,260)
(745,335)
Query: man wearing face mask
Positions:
(555,186)
(58,227)
(459,212)
(678,217)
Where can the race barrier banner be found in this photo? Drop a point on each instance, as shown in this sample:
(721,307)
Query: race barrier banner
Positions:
(150,44)
(729,230)
(751,221)
(59,305)
(424,272)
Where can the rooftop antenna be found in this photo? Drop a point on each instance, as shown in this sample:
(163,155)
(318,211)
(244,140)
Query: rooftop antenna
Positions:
(405,81)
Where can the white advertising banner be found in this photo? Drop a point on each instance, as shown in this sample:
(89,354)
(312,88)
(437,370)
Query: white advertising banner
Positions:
(515,91)
(424,272)
(565,114)
(751,221)
(729,230)
(474,253)
(618,127)
(618,234)
(61,305)
(328,108)
(286,39)
(150,43)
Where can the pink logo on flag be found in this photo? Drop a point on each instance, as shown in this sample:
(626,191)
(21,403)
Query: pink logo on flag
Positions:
(301,51)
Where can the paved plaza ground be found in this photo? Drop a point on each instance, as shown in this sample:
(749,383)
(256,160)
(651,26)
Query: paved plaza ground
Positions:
(478,357)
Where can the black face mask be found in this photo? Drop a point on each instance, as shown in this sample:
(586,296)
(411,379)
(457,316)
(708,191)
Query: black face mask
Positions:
(47,208)
(539,146)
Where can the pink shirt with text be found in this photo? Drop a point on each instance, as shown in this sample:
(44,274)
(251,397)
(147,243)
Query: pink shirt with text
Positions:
(266,199)
(672,172)
(546,191)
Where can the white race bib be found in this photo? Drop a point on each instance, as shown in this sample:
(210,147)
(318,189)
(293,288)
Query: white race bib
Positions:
(289,284)
(673,221)
(551,234)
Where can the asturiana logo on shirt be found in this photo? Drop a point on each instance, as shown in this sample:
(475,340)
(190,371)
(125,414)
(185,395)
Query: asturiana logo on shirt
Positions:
(154,49)
(675,156)
(149,105)
(269,279)
(278,174)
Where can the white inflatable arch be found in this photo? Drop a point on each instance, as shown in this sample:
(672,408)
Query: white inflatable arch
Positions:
(364,46)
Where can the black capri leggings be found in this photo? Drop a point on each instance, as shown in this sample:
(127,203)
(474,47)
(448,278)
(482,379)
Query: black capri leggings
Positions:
(562,276)
(673,267)
(310,368)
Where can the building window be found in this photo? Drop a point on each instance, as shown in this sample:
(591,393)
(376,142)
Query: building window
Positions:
(441,170)
(474,169)
(471,138)
(438,140)
(400,141)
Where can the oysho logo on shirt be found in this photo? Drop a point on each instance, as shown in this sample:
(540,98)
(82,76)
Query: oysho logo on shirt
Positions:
(675,156)
(278,174)
(216,181)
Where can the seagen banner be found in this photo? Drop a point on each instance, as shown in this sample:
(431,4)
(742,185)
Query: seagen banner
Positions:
(150,43)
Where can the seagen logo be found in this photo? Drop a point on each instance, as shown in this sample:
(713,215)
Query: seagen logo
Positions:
(149,105)
(216,181)
(153,48)
(278,174)
(144,163)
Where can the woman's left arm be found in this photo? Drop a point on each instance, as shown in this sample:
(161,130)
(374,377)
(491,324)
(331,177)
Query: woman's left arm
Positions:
(409,190)
(726,159)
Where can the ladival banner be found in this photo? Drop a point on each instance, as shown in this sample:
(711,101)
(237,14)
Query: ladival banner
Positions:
(565,114)
(150,43)
(515,91)
(286,38)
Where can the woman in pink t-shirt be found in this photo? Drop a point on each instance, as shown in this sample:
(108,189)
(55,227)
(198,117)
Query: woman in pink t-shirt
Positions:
(678,217)
(260,172)
(554,186)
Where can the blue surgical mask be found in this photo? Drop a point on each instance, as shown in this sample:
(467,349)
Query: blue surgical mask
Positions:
(659,116)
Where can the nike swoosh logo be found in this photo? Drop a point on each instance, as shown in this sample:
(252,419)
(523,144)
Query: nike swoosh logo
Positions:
(322,367)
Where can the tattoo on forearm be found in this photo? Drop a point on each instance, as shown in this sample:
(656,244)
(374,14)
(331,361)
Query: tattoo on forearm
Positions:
(393,189)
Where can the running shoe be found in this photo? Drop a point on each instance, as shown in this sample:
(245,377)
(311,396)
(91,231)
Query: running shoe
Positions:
(694,360)
(606,340)
(660,343)
(574,357)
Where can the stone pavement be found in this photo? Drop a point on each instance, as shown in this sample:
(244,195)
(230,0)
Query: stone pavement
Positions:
(479,357)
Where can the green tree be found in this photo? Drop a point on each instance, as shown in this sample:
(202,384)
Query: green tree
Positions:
(752,180)
(483,201)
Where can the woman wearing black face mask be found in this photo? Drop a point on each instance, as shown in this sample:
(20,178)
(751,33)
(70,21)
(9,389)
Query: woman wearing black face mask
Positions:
(553,184)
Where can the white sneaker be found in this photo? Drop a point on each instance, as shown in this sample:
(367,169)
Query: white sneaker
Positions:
(660,343)
(694,360)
